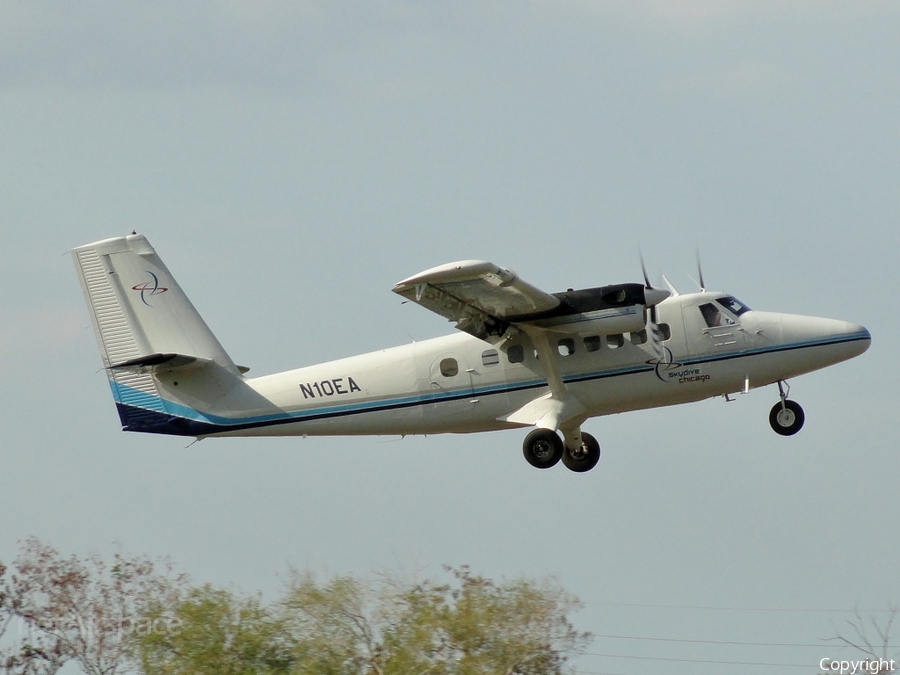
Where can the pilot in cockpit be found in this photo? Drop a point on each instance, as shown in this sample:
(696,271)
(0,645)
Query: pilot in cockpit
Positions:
(714,316)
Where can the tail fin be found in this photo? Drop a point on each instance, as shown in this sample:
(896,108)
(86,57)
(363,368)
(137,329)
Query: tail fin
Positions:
(145,323)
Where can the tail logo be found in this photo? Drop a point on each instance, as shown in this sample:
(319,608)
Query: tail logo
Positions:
(149,288)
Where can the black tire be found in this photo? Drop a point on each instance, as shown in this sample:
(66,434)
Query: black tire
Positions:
(542,448)
(787,420)
(585,460)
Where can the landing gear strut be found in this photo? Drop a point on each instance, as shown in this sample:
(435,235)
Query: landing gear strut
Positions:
(584,457)
(786,417)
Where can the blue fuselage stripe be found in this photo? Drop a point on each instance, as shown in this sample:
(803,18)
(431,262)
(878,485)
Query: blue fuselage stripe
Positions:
(205,423)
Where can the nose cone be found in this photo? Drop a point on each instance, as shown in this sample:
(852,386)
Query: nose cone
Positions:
(832,341)
(793,345)
(859,337)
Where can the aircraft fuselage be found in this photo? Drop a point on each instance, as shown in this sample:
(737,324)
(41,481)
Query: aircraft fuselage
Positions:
(460,384)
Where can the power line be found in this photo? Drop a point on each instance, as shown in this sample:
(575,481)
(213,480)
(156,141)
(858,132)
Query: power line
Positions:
(738,643)
(825,643)
(711,608)
(717,662)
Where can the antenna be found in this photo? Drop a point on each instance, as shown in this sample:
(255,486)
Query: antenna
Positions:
(671,287)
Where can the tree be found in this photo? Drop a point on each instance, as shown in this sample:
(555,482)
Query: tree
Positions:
(215,632)
(519,627)
(33,655)
(83,610)
(872,638)
(469,626)
(6,617)
(136,615)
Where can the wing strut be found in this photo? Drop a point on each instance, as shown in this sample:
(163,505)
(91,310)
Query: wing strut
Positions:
(559,407)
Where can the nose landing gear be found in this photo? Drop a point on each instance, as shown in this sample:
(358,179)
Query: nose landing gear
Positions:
(786,417)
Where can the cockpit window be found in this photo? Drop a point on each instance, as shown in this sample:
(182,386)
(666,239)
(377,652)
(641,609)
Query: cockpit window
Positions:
(733,305)
(714,317)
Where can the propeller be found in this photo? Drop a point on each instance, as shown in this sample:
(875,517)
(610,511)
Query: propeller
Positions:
(652,297)
(647,283)
(700,273)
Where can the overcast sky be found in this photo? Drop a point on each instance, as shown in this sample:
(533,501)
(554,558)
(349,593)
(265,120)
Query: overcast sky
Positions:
(290,161)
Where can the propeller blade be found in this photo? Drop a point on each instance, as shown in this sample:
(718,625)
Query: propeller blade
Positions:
(700,273)
(647,283)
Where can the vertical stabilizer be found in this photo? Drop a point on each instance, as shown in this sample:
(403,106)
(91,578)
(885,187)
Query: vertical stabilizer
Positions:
(142,320)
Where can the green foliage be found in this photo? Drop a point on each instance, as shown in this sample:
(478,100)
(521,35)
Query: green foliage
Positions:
(346,626)
(134,615)
(332,626)
(470,626)
(212,631)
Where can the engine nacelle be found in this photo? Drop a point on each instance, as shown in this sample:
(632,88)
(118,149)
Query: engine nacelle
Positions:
(611,321)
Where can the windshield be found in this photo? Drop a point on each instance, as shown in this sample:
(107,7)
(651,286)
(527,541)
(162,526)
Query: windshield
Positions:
(715,317)
(733,305)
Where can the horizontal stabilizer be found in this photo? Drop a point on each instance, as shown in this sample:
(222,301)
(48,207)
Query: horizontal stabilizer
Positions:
(161,361)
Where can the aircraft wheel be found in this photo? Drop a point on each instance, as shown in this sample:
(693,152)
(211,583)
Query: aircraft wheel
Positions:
(542,448)
(787,420)
(587,456)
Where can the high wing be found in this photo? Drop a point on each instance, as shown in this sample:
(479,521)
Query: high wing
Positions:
(485,300)
(494,304)
(481,297)
(491,302)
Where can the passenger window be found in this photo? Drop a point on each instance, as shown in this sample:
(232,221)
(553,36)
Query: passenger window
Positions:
(615,341)
(515,354)
(491,357)
(449,368)
(592,343)
(665,331)
(639,337)
(566,347)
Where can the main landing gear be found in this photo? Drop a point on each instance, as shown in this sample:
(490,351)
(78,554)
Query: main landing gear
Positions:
(544,448)
(786,417)
(580,452)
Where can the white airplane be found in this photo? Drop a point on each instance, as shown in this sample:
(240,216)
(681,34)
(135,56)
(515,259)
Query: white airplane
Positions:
(521,358)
